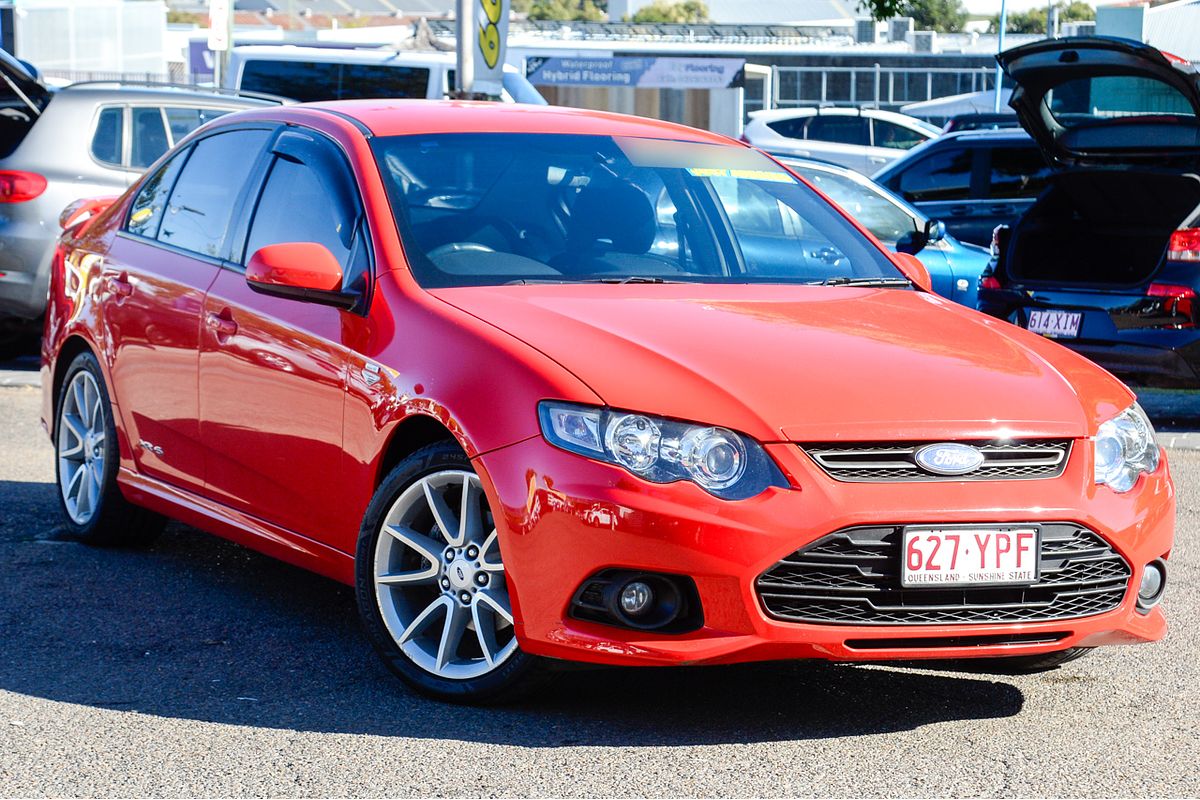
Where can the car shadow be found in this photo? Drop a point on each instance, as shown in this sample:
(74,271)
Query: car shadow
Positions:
(196,627)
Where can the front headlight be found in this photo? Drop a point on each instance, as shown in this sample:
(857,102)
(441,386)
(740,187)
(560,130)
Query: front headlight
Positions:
(718,460)
(1125,448)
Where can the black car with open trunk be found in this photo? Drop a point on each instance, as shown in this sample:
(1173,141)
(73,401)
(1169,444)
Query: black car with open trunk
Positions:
(1107,260)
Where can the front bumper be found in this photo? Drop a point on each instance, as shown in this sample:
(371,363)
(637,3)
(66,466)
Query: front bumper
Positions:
(563,518)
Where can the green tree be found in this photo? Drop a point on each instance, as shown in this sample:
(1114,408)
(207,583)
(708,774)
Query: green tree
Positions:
(1034,20)
(694,11)
(944,16)
(563,10)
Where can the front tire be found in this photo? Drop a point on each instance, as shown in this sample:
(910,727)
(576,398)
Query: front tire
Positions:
(430,582)
(86,462)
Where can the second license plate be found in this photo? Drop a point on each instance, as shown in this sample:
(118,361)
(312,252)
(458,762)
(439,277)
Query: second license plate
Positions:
(935,557)
(1055,324)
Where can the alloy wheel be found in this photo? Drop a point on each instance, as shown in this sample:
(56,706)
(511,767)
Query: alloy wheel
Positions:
(81,447)
(439,580)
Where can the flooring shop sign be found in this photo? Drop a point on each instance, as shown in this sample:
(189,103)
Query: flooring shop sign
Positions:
(639,73)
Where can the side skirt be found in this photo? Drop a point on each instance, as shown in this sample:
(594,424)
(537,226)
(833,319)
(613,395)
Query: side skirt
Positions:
(236,526)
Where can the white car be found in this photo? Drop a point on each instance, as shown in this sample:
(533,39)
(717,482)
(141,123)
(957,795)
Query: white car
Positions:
(311,74)
(863,139)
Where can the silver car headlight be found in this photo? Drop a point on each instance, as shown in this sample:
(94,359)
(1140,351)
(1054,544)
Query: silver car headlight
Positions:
(1125,448)
(723,463)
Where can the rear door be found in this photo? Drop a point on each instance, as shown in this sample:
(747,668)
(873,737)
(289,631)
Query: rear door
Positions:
(154,280)
(1100,100)
(273,370)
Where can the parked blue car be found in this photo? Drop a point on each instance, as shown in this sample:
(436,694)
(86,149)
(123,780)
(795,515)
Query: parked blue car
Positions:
(954,266)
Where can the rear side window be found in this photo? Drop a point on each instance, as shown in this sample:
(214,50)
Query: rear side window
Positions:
(182,121)
(1017,172)
(108,139)
(898,137)
(843,130)
(147,211)
(792,128)
(940,176)
(313,81)
(198,213)
(150,138)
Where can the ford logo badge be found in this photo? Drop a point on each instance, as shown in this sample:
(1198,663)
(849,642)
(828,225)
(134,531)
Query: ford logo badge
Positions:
(948,458)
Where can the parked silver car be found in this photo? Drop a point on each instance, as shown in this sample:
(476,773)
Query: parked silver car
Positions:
(59,145)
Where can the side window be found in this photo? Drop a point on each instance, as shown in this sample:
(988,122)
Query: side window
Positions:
(297,206)
(898,137)
(201,204)
(843,130)
(147,210)
(182,121)
(108,141)
(792,128)
(940,176)
(1017,172)
(149,137)
(308,81)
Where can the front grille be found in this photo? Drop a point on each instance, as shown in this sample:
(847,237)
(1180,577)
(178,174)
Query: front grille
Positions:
(852,577)
(896,462)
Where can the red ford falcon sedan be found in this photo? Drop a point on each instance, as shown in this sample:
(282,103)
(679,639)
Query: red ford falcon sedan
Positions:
(546,384)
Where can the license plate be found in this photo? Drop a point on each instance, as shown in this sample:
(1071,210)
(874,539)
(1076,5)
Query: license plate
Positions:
(935,557)
(1055,324)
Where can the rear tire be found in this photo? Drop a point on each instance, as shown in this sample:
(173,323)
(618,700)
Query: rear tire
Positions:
(86,462)
(1027,665)
(430,583)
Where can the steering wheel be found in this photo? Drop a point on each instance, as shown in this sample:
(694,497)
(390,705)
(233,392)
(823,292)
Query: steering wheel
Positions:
(458,247)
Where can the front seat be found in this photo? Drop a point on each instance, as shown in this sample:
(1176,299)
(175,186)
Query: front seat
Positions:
(611,229)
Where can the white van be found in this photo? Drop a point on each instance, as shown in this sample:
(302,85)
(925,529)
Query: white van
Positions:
(310,74)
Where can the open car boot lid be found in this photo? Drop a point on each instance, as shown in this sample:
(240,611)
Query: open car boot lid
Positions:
(1094,100)
(19,89)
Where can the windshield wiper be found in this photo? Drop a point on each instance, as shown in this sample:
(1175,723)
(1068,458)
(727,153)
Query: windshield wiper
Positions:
(846,280)
(629,279)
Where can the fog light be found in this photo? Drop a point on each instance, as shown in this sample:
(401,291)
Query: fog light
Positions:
(1154,581)
(636,598)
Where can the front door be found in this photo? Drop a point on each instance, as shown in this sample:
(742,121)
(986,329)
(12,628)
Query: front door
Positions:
(273,370)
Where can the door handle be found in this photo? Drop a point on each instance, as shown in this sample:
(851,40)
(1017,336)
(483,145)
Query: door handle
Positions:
(120,285)
(222,324)
(960,211)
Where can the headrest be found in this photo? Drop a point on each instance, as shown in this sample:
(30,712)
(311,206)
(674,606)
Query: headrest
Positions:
(612,210)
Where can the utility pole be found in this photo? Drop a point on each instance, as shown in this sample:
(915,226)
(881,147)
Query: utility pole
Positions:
(220,36)
(464,25)
(1000,49)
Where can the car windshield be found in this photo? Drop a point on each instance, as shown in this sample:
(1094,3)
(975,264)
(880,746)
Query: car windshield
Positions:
(883,218)
(488,209)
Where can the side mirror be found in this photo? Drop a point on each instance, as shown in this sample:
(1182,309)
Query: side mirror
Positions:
(914,270)
(935,230)
(300,271)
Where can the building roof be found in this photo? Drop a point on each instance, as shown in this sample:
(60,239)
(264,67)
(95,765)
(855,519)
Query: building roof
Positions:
(1175,28)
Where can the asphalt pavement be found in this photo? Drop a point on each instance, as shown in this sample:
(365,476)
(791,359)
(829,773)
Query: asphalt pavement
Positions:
(196,667)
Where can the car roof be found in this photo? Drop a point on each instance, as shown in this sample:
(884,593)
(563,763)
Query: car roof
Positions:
(292,52)
(102,91)
(392,117)
(997,134)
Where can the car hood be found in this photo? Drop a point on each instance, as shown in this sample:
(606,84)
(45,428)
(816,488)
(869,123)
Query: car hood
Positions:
(805,363)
